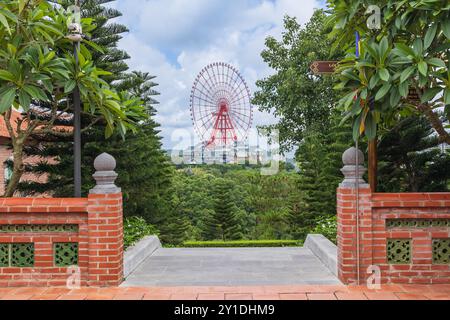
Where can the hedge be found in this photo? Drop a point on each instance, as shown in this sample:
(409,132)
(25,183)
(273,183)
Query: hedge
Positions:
(242,244)
(135,229)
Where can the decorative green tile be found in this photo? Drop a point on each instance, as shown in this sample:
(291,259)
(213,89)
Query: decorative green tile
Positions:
(399,251)
(4,255)
(417,223)
(65,254)
(22,255)
(36,228)
(441,251)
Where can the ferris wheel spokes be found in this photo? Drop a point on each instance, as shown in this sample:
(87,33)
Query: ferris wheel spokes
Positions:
(220,105)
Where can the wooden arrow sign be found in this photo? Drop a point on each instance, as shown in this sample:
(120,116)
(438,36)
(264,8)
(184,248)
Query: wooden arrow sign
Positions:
(324,67)
(413,96)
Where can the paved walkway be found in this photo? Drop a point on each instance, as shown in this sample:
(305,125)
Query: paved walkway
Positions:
(340,292)
(231,267)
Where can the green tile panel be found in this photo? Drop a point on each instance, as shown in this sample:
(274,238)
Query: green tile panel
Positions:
(16,255)
(38,228)
(65,254)
(441,251)
(399,251)
(417,223)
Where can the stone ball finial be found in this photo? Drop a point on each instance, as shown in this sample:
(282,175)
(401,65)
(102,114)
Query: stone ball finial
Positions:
(349,157)
(104,175)
(105,162)
(353,171)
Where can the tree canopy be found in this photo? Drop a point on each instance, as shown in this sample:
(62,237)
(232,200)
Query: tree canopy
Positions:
(300,100)
(407,55)
(38,74)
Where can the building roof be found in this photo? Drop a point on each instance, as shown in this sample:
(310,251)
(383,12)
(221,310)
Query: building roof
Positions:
(14,117)
(3,131)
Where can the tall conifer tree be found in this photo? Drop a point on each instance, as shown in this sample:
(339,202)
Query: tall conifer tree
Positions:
(224,223)
(411,159)
(144,170)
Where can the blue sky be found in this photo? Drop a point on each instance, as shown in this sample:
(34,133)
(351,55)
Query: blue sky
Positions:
(175,39)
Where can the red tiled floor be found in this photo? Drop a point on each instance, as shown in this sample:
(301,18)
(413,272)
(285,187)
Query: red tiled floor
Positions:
(380,296)
(438,296)
(266,297)
(183,296)
(350,296)
(410,296)
(129,296)
(17,297)
(72,297)
(321,296)
(99,297)
(238,296)
(50,296)
(293,296)
(156,297)
(32,291)
(211,296)
(387,292)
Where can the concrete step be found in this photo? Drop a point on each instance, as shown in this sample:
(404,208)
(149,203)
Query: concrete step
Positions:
(138,253)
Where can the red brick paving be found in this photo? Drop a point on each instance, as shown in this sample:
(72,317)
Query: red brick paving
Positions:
(239,296)
(387,292)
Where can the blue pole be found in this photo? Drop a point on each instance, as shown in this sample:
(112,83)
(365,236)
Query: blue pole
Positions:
(357,44)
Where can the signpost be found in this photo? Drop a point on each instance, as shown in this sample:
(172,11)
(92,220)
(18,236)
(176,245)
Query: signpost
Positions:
(329,67)
(324,67)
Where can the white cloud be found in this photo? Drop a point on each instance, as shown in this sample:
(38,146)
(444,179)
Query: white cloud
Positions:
(175,39)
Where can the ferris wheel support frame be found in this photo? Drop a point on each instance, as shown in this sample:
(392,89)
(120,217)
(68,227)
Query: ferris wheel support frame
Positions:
(221,108)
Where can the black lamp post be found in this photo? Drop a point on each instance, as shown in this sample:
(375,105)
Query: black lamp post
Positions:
(75,36)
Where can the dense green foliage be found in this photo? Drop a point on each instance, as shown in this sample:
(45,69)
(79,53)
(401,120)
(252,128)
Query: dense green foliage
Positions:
(136,228)
(237,206)
(143,168)
(222,223)
(412,160)
(38,73)
(300,100)
(306,105)
(249,205)
(327,227)
(319,159)
(311,120)
(242,244)
(408,51)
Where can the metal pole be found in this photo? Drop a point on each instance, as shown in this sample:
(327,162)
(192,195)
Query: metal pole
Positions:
(358,271)
(373,164)
(77,128)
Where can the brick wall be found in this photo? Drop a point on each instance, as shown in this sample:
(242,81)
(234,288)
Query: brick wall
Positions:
(43,230)
(405,235)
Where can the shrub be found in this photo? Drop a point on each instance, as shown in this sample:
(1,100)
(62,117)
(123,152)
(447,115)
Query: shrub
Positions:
(328,227)
(242,244)
(135,229)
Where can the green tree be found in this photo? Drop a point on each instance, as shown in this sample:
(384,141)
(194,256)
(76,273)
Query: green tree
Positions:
(299,99)
(313,185)
(146,187)
(319,159)
(408,53)
(223,224)
(411,159)
(176,229)
(37,73)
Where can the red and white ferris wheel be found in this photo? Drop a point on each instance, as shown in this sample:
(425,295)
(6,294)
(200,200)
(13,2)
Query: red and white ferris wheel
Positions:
(220,106)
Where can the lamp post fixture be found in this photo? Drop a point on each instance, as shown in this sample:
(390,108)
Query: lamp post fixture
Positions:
(76,35)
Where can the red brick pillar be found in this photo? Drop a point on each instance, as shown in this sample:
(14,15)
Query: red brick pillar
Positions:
(105,222)
(354,220)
